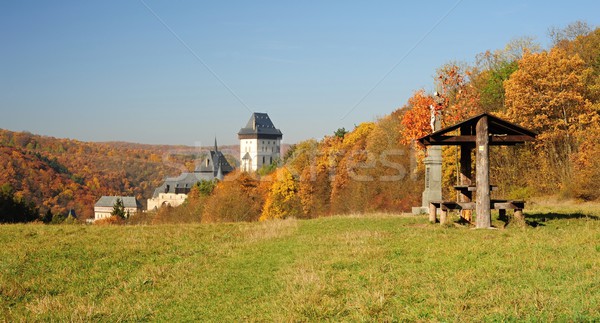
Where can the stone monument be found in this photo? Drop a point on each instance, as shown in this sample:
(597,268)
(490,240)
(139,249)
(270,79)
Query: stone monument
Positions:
(433,170)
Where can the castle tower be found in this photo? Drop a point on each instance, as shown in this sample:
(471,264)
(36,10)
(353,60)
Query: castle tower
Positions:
(260,143)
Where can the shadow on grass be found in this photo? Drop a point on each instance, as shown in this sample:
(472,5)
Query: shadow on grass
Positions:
(542,217)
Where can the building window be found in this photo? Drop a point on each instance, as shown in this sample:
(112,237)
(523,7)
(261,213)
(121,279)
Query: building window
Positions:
(263,160)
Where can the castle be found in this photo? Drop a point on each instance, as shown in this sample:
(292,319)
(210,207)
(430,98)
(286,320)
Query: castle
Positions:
(260,144)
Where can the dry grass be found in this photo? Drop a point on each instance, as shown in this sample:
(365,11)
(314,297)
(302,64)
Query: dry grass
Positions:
(345,268)
(270,230)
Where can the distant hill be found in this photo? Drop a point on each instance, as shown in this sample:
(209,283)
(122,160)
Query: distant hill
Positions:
(61,174)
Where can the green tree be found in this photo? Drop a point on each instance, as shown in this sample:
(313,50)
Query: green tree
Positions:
(491,86)
(340,133)
(204,187)
(118,209)
(267,169)
(47,218)
(13,209)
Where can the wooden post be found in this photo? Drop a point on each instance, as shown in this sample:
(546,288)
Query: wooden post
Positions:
(518,218)
(465,173)
(432,213)
(502,215)
(443,216)
(482,148)
(465,179)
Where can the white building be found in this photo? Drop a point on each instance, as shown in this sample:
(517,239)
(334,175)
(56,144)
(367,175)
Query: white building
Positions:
(260,143)
(162,199)
(174,190)
(105,205)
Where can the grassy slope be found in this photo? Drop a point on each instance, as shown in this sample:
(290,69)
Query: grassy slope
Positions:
(341,268)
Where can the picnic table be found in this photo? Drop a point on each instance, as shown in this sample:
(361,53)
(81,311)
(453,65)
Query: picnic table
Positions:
(477,134)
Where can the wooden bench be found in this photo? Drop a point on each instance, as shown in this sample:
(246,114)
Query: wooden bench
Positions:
(472,188)
(500,205)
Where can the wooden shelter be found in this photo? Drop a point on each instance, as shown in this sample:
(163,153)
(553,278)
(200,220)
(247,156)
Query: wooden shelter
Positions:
(479,133)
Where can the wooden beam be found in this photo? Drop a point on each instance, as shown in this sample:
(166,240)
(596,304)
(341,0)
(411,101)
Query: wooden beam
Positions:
(511,139)
(507,205)
(482,149)
(460,140)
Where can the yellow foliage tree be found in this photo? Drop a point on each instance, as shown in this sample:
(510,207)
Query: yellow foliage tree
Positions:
(282,200)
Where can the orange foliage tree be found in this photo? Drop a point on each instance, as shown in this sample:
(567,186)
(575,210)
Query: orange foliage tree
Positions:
(548,95)
(416,119)
(238,197)
(459,97)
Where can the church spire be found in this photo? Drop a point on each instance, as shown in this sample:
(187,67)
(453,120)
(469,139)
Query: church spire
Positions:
(216,144)
(219,173)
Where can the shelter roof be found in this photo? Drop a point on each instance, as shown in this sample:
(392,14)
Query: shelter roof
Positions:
(502,133)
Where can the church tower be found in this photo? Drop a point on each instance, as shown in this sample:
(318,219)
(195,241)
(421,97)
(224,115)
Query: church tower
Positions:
(260,143)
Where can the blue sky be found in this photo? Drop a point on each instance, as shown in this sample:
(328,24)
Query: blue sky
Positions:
(183,72)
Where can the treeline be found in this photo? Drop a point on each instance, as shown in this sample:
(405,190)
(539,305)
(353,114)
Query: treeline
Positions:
(378,167)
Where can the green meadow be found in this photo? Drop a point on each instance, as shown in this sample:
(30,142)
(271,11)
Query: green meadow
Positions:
(377,267)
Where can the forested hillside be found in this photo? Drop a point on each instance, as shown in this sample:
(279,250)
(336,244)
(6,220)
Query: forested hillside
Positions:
(63,174)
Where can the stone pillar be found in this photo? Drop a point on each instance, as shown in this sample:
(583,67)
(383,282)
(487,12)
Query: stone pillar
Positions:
(433,176)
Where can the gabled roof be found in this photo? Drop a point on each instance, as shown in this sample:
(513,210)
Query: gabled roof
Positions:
(501,132)
(215,161)
(260,124)
(183,181)
(109,201)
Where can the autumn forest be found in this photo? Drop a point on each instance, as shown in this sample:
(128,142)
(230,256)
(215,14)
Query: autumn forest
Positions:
(377,166)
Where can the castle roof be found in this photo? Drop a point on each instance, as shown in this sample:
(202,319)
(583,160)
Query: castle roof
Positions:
(182,183)
(109,201)
(214,166)
(260,125)
(215,161)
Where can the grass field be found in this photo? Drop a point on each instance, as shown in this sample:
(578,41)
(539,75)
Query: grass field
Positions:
(352,268)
